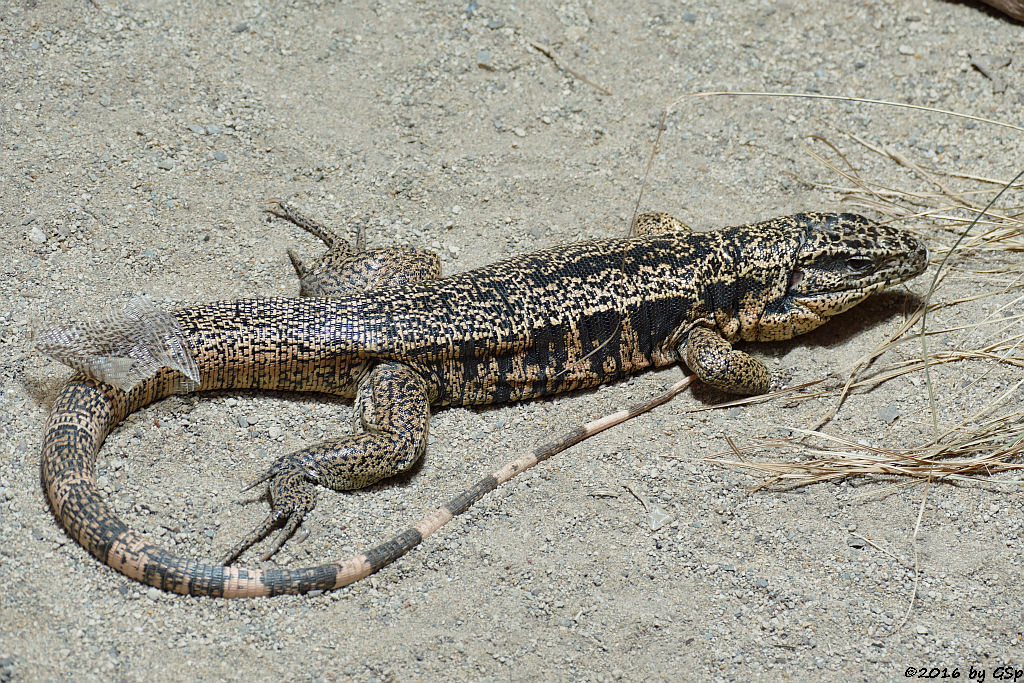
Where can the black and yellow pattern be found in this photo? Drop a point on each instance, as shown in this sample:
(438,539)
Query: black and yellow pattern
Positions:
(399,340)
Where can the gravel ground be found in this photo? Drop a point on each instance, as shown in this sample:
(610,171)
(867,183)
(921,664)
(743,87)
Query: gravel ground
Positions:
(138,142)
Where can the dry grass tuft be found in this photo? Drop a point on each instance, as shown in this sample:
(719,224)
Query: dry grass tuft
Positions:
(949,209)
(970,241)
(963,453)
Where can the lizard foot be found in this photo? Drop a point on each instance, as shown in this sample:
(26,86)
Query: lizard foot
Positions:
(292,495)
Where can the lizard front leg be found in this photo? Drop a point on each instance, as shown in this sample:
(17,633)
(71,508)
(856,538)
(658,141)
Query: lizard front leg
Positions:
(392,414)
(718,364)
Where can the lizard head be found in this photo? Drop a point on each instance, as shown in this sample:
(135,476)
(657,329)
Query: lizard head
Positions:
(839,260)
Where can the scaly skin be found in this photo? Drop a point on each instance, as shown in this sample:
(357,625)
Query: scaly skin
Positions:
(559,320)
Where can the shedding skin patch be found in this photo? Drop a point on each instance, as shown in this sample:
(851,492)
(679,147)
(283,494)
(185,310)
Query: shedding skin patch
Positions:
(123,347)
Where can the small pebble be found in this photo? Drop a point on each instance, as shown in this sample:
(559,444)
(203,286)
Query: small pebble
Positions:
(889,413)
(657,517)
(37,235)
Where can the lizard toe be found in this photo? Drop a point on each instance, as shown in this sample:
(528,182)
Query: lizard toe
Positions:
(292,496)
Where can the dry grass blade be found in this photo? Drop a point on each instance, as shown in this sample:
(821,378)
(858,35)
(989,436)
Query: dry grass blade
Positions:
(950,209)
(996,446)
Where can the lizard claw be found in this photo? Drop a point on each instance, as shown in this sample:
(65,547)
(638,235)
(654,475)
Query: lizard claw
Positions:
(292,495)
(257,481)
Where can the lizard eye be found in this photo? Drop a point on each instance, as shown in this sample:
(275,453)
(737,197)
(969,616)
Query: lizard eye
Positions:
(860,264)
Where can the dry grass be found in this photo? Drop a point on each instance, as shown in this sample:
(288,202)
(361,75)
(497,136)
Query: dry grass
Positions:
(969,240)
(962,453)
(948,209)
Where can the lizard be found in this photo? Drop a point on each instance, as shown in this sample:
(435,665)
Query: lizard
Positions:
(383,328)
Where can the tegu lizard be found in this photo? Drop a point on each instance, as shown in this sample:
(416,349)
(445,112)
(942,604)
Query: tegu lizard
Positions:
(384,328)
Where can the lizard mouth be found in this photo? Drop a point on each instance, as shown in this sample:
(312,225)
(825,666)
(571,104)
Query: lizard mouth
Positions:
(857,276)
(826,304)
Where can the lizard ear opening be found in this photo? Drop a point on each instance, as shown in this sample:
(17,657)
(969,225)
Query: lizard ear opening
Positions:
(795,278)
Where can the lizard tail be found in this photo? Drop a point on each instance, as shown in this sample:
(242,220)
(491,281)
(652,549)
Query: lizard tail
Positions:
(83,414)
(85,411)
(127,360)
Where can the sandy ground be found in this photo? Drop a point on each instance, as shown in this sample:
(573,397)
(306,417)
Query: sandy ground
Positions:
(138,142)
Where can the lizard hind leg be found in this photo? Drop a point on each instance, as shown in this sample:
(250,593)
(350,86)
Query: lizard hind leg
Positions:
(392,418)
(293,496)
(344,270)
(658,223)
